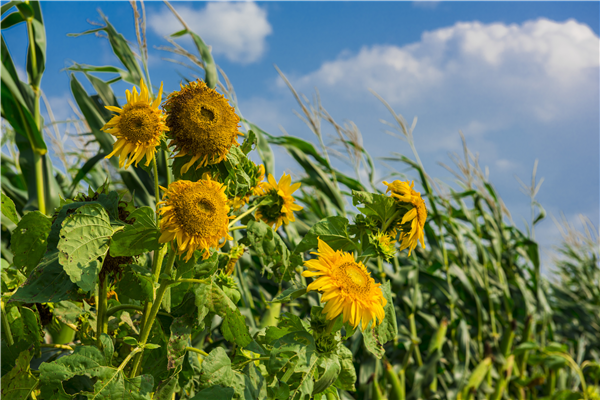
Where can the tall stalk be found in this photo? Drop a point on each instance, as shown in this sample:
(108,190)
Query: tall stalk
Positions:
(101,317)
(149,318)
(37,155)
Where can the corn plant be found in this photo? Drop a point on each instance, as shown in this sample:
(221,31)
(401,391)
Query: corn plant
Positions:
(186,271)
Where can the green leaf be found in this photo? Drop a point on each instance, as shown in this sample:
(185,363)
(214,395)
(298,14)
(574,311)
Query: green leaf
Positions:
(84,241)
(372,342)
(38,50)
(29,240)
(264,150)
(130,341)
(212,298)
(289,295)
(215,393)
(388,329)
(524,347)
(269,246)
(19,382)
(300,345)
(8,209)
(47,283)
(478,375)
(121,49)
(111,382)
(136,284)
(347,377)
(92,115)
(249,141)
(331,230)
(216,369)
(139,238)
(17,103)
(378,206)
(331,369)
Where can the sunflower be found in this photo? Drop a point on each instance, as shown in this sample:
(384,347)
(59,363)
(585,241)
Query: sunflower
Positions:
(413,223)
(281,210)
(138,128)
(194,213)
(347,287)
(203,125)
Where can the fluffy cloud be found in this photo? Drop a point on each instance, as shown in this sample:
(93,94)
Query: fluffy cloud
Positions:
(236,30)
(538,68)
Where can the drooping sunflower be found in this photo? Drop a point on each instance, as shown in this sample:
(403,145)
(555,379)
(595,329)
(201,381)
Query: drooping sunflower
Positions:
(281,210)
(202,124)
(138,127)
(347,287)
(195,214)
(413,222)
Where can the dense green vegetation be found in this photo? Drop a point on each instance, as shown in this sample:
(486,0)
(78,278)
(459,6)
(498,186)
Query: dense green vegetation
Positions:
(95,307)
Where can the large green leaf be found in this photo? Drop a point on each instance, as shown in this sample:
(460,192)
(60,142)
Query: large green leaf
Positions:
(84,241)
(138,238)
(47,283)
(111,382)
(29,240)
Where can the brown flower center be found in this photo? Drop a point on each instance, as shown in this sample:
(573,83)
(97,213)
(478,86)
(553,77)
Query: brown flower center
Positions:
(354,278)
(199,210)
(139,123)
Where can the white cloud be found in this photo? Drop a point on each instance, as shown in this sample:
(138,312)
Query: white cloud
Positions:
(542,68)
(236,30)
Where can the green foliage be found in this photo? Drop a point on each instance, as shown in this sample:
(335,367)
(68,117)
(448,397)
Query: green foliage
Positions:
(28,240)
(8,209)
(138,238)
(332,230)
(19,382)
(468,316)
(84,241)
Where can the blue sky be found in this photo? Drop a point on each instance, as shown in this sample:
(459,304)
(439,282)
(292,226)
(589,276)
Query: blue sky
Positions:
(520,79)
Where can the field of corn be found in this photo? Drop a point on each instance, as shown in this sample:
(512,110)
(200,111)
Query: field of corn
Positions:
(160,262)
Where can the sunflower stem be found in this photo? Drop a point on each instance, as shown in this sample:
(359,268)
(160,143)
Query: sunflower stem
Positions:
(153,312)
(195,350)
(6,326)
(235,228)
(156,192)
(242,215)
(101,316)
